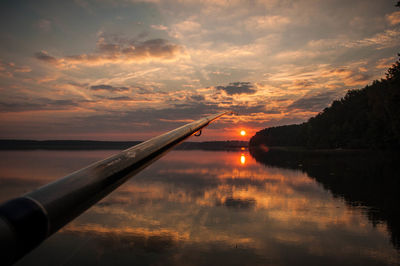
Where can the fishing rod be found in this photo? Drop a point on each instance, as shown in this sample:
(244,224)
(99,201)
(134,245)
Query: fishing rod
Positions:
(28,220)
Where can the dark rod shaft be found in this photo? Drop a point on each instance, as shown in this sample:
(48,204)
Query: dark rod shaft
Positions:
(28,220)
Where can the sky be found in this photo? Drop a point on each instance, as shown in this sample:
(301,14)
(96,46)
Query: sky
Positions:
(131,70)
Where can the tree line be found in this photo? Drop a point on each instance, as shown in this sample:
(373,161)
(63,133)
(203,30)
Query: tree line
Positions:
(367,118)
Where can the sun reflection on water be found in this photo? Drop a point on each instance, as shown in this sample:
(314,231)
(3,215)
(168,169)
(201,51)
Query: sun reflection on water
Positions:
(242,159)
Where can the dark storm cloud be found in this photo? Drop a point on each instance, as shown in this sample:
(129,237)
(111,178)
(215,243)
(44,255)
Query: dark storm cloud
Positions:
(107,88)
(314,103)
(238,88)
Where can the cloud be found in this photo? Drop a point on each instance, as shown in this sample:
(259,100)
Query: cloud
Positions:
(119,98)
(119,50)
(159,27)
(77,84)
(161,119)
(298,54)
(349,77)
(38,104)
(182,29)
(385,39)
(315,103)
(238,203)
(45,57)
(158,48)
(107,88)
(294,49)
(44,25)
(304,83)
(267,22)
(385,63)
(238,88)
(10,68)
(197,97)
(393,18)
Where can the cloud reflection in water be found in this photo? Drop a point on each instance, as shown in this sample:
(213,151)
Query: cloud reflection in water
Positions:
(198,207)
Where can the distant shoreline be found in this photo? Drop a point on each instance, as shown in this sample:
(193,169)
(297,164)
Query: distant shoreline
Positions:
(306,149)
(11,144)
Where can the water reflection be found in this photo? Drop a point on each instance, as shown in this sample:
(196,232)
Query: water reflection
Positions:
(365,180)
(242,159)
(204,208)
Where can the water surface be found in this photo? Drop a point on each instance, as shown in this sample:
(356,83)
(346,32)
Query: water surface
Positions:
(207,208)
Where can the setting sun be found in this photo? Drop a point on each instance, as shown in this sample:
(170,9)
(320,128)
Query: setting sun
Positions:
(243,133)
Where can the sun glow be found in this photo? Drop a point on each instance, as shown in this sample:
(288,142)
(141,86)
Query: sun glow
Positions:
(243,133)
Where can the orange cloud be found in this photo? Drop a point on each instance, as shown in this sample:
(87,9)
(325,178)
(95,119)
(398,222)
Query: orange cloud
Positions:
(267,22)
(118,52)
(393,18)
(10,68)
(385,63)
(349,77)
(385,39)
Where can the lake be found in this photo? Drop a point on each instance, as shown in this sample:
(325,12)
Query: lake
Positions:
(223,208)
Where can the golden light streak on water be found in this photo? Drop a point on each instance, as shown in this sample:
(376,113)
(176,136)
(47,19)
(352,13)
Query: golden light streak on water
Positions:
(242,159)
